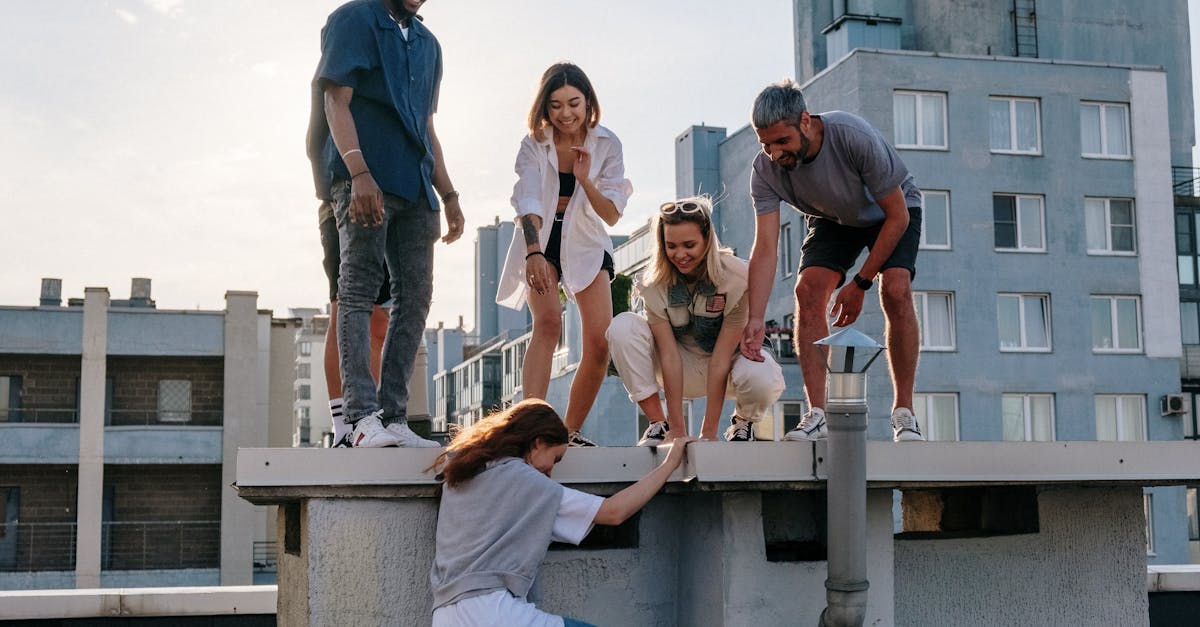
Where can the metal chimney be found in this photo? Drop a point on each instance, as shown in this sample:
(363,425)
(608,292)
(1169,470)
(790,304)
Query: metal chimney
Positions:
(51,293)
(139,293)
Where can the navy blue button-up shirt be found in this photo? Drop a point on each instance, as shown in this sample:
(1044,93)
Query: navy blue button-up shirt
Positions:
(395,83)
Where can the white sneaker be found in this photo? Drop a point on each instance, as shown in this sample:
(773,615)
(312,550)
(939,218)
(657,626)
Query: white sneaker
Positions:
(811,428)
(904,426)
(407,438)
(655,434)
(369,433)
(739,430)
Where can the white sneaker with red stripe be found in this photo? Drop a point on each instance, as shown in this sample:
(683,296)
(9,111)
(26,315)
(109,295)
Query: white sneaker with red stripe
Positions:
(369,432)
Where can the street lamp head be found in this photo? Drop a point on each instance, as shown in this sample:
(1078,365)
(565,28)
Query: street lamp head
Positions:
(850,354)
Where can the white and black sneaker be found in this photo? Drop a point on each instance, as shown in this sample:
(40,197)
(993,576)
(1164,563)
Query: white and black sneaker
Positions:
(369,432)
(811,428)
(739,430)
(345,441)
(407,438)
(905,427)
(655,434)
(576,440)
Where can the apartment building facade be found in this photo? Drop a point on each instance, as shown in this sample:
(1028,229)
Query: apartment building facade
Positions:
(121,423)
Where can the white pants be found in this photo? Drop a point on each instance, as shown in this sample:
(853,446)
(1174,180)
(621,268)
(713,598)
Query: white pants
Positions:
(754,385)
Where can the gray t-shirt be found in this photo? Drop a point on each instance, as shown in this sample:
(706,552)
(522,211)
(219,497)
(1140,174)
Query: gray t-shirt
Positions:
(855,165)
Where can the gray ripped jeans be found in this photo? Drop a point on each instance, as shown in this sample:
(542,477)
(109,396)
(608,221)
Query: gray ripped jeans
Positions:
(404,242)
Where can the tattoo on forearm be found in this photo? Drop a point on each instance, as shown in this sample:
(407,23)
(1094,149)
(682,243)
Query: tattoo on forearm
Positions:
(529,229)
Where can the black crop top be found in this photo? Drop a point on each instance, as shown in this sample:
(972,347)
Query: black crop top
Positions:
(566,183)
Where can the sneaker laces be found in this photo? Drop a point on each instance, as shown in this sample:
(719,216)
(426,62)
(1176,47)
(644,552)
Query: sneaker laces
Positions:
(657,430)
(741,429)
(810,421)
(903,420)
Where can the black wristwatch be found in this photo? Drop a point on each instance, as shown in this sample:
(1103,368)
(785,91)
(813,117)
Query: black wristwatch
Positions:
(863,284)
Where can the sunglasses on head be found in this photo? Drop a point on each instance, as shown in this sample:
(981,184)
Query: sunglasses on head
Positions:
(689,206)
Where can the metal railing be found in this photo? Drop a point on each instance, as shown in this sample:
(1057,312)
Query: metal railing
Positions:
(31,547)
(45,415)
(115,417)
(1185,181)
(266,557)
(160,545)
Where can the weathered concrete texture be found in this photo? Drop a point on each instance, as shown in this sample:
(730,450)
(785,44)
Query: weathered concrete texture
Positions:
(1085,567)
(367,562)
(620,586)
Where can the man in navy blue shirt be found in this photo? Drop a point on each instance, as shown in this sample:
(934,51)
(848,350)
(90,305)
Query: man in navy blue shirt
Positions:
(376,156)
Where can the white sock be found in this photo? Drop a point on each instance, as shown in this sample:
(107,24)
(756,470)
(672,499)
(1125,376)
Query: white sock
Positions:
(340,428)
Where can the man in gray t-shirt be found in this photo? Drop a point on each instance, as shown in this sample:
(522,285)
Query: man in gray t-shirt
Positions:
(855,193)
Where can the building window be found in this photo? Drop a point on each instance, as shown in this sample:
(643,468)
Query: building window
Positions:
(1189,322)
(304,392)
(1120,417)
(1185,246)
(1024,321)
(785,249)
(10,398)
(305,348)
(1015,126)
(935,315)
(304,371)
(174,400)
(1148,508)
(937,414)
(1018,223)
(1110,226)
(643,422)
(793,413)
(1116,324)
(1028,417)
(1193,516)
(935,223)
(1104,130)
(920,119)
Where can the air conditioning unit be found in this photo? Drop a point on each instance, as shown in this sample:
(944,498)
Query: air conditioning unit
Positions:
(1173,405)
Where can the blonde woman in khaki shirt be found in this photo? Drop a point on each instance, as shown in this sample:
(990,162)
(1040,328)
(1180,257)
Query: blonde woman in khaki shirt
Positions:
(686,343)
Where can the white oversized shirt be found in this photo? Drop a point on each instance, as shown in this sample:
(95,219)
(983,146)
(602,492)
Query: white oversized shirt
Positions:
(584,235)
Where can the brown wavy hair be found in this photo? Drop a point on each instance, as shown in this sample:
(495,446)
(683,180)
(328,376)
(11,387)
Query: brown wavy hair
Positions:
(556,77)
(508,433)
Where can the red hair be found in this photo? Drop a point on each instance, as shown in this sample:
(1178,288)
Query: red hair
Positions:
(509,433)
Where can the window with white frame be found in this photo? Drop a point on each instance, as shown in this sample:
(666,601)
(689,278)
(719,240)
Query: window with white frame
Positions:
(174,400)
(785,249)
(793,413)
(935,222)
(1024,322)
(1189,322)
(1018,223)
(1110,226)
(1148,508)
(1028,417)
(1104,130)
(937,414)
(306,348)
(1116,324)
(304,370)
(1015,125)
(919,119)
(1120,417)
(935,315)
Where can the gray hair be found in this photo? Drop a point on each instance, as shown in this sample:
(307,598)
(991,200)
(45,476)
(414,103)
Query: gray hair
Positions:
(782,101)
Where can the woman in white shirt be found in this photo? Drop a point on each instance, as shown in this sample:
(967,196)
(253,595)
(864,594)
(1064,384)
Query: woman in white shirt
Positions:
(500,510)
(570,184)
(686,342)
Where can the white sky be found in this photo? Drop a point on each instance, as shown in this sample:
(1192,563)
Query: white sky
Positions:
(164,138)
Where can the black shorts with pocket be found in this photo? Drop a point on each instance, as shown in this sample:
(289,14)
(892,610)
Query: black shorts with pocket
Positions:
(835,246)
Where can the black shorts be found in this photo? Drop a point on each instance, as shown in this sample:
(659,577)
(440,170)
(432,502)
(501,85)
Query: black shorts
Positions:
(333,261)
(831,245)
(555,243)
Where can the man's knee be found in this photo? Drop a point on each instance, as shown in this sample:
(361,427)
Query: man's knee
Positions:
(895,292)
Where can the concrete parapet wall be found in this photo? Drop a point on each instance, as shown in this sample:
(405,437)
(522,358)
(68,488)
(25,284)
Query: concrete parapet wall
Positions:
(1085,566)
